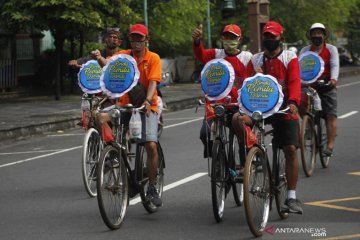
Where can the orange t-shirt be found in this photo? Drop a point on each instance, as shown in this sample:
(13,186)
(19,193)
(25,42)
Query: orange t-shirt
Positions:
(150,70)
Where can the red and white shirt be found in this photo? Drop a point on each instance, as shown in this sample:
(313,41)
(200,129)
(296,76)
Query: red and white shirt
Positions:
(239,63)
(330,55)
(285,68)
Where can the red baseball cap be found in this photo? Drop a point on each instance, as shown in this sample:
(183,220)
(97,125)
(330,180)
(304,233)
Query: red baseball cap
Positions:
(274,28)
(139,29)
(232,28)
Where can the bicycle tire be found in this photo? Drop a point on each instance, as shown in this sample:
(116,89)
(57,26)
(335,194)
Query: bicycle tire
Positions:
(308,145)
(280,181)
(256,191)
(235,163)
(92,146)
(322,134)
(218,179)
(112,187)
(141,167)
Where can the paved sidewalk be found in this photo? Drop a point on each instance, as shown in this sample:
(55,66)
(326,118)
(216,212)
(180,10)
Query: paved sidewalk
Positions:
(26,116)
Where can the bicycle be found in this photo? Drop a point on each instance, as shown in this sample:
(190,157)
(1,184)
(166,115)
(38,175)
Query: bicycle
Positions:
(118,177)
(92,142)
(225,163)
(313,136)
(261,183)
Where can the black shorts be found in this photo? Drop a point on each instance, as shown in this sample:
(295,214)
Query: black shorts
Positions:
(286,132)
(329,102)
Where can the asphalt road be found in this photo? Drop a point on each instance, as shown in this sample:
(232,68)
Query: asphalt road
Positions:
(42,195)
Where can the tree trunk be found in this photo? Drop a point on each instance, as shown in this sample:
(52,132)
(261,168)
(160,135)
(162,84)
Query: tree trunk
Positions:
(59,43)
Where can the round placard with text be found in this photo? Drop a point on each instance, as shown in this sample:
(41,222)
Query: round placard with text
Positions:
(217,79)
(119,75)
(260,93)
(311,67)
(89,77)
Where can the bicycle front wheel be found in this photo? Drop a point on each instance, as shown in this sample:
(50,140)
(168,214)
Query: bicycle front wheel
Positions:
(112,187)
(280,181)
(235,164)
(142,175)
(323,143)
(91,152)
(307,145)
(218,179)
(256,191)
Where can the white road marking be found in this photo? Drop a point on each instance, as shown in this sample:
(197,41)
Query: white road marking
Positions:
(41,156)
(348,84)
(184,118)
(35,151)
(182,123)
(74,148)
(348,114)
(65,135)
(173,185)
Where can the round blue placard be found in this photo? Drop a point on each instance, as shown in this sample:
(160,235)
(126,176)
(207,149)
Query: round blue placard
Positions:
(217,79)
(89,77)
(311,67)
(119,75)
(260,93)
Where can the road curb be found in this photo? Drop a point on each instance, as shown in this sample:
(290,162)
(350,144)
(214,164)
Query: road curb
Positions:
(37,129)
(70,121)
(24,132)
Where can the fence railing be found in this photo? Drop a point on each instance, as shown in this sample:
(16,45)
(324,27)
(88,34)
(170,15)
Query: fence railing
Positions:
(8,76)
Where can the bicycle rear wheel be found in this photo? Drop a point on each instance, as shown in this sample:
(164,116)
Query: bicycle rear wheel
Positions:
(91,152)
(280,181)
(256,191)
(218,179)
(234,161)
(323,143)
(307,145)
(143,177)
(112,187)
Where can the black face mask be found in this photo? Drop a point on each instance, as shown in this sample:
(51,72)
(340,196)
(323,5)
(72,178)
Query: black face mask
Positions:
(271,44)
(317,41)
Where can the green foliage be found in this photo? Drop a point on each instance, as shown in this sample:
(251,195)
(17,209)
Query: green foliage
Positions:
(297,15)
(172,21)
(74,16)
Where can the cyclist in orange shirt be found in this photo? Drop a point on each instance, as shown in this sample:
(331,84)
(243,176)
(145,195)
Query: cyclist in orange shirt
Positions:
(149,66)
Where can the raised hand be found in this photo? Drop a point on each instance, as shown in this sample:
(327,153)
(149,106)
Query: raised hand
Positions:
(197,33)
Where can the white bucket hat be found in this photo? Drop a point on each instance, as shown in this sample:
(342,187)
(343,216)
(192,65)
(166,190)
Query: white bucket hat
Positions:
(318,26)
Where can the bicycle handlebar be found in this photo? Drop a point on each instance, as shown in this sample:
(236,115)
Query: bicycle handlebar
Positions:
(127,107)
(323,83)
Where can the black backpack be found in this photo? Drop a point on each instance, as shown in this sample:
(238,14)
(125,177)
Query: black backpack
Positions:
(137,95)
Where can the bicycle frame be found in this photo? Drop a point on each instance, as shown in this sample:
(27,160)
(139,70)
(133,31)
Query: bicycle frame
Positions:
(260,181)
(121,142)
(222,121)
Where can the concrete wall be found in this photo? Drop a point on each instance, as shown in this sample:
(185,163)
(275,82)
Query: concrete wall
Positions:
(180,68)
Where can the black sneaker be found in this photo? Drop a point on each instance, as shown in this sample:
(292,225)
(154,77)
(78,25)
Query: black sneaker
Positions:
(153,196)
(328,152)
(293,206)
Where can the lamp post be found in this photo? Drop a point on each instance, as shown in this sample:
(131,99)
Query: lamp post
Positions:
(145,14)
(208,23)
